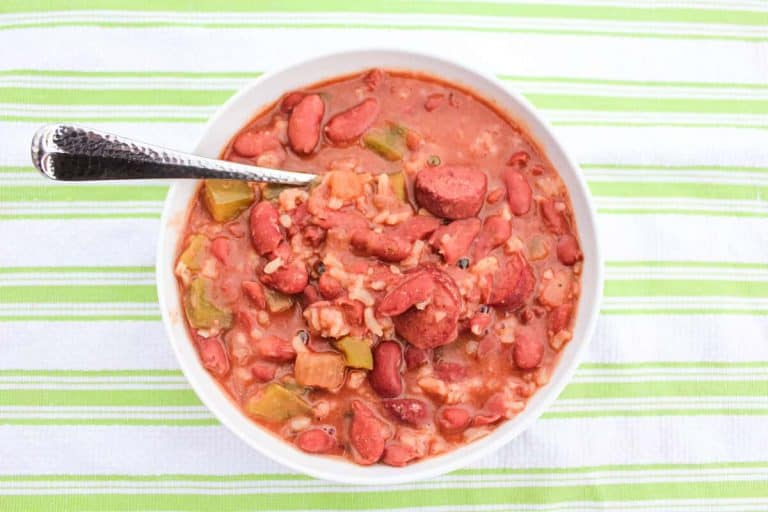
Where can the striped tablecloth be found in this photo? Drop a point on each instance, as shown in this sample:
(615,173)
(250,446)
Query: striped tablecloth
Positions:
(664,103)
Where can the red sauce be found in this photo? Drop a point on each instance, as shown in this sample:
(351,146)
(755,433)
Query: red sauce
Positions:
(409,301)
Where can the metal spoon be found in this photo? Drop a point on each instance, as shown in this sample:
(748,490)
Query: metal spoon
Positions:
(67,152)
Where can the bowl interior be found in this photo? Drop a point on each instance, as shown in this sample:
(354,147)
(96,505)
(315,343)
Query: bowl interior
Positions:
(236,113)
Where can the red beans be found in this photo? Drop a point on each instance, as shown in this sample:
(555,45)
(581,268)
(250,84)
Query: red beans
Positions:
(266,234)
(568,251)
(381,245)
(213,355)
(437,323)
(416,227)
(553,219)
(453,240)
(560,317)
(518,192)
(220,249)
(352,123)
(415,357)
(263,371)
(255,292)
(316,440)
(513,283)
(291,100)
(252,144)
(275,349)
(367,434)
(398,454)
(527,352)
(433,101)
(329,287)
(496,230)
(453,419)
(492,411)
(451,191)
(289,279)
(304,124)
(385,377)
(411,411)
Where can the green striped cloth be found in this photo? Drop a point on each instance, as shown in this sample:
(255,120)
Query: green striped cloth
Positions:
(663,102)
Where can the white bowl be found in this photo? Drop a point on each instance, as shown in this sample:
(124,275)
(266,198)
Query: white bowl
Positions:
(234,114)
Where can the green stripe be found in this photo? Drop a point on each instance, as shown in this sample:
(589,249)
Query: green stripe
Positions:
(690,388)
(121,97)
(55,294)
(574,12)
(684,288)
(641,104)
(110,397)
(66,193)
(396,498)
(686,190)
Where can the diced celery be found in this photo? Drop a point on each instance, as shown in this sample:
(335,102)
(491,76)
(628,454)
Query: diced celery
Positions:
(319,369)
(357,352)
(200,311)
(276,403)
(397,182)
(271,191)
(277,302)
(191,255)
(387,143)
(226,199)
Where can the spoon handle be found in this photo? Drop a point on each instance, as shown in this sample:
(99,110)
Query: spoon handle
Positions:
(73,153)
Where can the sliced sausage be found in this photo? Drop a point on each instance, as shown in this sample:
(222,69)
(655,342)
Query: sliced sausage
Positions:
(266,233)
(496,230)
(568,251)
(352,123)
(251,144)
(451,191)
(304,124)
(413,289)
(453,240)
(527,353)
(289,279)
(385,377)
(518,192)
(453,419)
(411,411)
(415,228)
(512,283)
(381,245)
(316,440)
(367,434)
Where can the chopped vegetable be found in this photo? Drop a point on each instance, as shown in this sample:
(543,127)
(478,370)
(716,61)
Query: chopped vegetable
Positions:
(191,255)
(271,191)
(277,302)
(357,352)
(388,143)
(226,199)
(320,369)
(397,182)
(537,248)
(200,311)
(276,403)
(345,184)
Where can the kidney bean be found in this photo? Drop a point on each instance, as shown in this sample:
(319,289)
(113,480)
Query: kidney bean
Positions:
(366,434)
(220,249)
(453,419)
(453,240)
(398,455)
(527,353)
(433,101)
(560,317)
(415,228)
(450,371)
(316,440)
(309,296)
(415,357)
(290,100)
(519,159)
(553,219)
(385,377)
(263,371)
(451,191)
(492,411)
(381,245)
(252,144)
(518,192)
(489,344)
(304,124)
(496,230)
(352,123)
(255,292)
(373,78)
(213,356)
(568,251)
(408,410)
(513,283)
(275,349)
(266,234)
(329,287)
(288,279)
